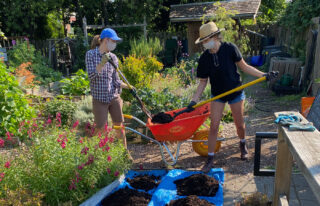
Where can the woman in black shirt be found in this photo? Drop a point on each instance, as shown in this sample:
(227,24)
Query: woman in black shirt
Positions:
(219,63)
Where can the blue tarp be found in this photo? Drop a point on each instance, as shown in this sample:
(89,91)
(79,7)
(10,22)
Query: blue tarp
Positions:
(167,190)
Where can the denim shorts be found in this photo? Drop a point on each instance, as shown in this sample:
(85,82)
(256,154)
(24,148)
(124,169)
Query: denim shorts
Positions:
(237,99)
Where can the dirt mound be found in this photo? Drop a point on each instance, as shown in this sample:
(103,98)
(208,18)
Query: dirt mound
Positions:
(144,182)
(191,200)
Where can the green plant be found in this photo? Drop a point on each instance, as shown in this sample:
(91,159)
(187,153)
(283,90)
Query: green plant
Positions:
(62,166)
(24,52)
(84,113)
(13,105)
(78,84)
(21,197)
(139,72)
(59,107)
(145,48)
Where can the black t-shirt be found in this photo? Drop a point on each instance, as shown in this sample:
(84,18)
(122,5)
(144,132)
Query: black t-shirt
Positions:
(221,69)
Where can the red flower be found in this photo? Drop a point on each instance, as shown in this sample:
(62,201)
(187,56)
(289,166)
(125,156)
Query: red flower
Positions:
(107,148)
(49,121)
(80,167)
(63,144)
(108,170)
(30,133)
(8,136)
(75,124)
(81,140)
(116,173)
(106,127)
(111,139)
(84,150)
(2,174)
(1,142)
(109,159)
(7,165)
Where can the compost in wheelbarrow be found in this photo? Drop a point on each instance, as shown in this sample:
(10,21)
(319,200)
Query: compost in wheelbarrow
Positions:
(182,127)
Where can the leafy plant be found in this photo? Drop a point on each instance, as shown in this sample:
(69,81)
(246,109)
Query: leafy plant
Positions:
(145,48)
(84,113)
(78,84)
(56,107)
(21,197)
(24,52)
(13,105)
(62,166)
(139,72)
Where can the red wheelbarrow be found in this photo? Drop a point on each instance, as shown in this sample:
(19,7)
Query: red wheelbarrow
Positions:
(183,129)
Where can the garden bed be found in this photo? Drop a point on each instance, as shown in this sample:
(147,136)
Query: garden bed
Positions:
(159,187)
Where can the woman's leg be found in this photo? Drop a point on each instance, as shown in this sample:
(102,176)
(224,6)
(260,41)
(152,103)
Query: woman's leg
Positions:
(237,110)
(100,112)
(215,115)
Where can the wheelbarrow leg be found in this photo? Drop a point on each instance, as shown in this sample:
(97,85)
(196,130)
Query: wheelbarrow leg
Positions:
(174,159)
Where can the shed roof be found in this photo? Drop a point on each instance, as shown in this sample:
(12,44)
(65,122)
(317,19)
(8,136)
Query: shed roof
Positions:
(193,11)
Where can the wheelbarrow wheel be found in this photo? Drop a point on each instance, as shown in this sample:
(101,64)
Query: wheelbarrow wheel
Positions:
(202,147)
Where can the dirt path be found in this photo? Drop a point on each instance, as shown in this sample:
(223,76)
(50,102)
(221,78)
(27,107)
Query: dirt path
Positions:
(259,118)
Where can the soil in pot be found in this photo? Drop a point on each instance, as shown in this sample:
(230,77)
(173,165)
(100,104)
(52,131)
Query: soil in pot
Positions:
(127,197)
(197,184)
(191,200)
(144,182)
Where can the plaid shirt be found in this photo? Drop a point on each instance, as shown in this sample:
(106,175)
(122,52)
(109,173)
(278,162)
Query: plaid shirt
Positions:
(105,85)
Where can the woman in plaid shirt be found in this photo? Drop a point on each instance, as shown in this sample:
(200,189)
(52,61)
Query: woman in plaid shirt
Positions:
(105,83)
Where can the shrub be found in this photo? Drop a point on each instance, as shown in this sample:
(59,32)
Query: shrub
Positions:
(21,197)
(24,52)
(59,107)
(145,48)
(13,105)
(84,113)
(63,167)
(139,72)
(78,84)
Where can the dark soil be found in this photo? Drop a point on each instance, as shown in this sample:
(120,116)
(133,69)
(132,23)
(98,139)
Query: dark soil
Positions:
(162,118)
(191,200)
(197,184)
(127,197)
(144,182)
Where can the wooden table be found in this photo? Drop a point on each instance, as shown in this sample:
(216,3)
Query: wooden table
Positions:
(304,148)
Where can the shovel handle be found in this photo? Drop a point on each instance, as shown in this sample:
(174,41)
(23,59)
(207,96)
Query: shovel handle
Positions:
(261,79)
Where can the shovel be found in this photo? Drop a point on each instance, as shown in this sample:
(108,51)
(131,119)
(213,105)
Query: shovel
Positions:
(132,90)
(170,119)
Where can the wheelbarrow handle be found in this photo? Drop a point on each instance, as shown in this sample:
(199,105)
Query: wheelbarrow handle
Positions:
(261,79)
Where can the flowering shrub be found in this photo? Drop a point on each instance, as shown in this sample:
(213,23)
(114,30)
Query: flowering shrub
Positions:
(13,105)
(62,166)
(23,71)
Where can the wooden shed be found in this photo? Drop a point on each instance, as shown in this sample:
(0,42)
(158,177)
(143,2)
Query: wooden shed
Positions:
(191,14)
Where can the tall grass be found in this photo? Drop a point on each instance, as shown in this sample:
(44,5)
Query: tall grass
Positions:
(145,48)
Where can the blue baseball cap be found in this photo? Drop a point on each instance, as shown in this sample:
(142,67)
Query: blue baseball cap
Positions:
(109,33)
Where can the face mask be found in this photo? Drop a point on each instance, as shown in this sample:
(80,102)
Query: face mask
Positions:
(111,45)
(209,45)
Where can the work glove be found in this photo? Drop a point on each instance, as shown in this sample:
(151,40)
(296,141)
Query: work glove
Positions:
(271,75)
(105,58)
(189,107)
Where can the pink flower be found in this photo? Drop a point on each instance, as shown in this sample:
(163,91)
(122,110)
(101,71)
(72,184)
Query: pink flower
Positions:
(2,174)
(59,140)
(84,150)
(49,121)
(109,159)
(107,148)
(106,127)
(116,173)
(7,165)
(111,139)
(75,124)
(58,118)
(1,142)
(63,144)
(8,136)
(80,167)
(108,170)
(30,133)
(81,140)
(72,186)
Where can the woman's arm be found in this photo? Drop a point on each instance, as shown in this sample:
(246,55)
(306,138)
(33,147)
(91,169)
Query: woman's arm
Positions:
(249,69)
(202,85)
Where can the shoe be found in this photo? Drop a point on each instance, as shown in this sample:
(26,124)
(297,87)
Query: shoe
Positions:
(244,151)
(209,164)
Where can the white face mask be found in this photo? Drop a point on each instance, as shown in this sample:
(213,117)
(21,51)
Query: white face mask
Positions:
(111,45)
(209,45)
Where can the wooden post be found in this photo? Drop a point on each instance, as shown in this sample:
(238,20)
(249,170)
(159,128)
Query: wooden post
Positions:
(145,27)
(84,24)
(283,169)
(50,51)
(316,66)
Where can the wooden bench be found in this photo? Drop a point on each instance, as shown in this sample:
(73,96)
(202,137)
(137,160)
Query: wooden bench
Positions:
(304,148)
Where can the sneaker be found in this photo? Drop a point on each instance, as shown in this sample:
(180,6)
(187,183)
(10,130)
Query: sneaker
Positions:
(244,151)
(209,164)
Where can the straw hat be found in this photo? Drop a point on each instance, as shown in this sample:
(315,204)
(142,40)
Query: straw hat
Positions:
(207,30)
